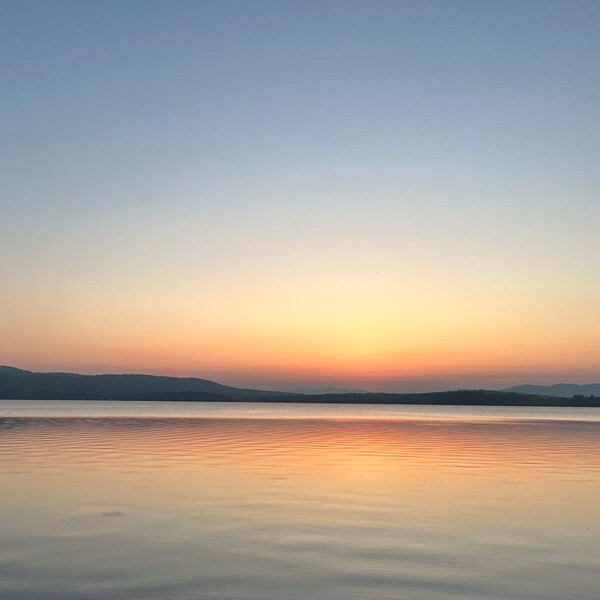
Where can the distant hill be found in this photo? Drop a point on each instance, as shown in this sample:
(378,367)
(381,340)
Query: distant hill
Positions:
(562,390)
(449,398)
(13,371)
(18,384)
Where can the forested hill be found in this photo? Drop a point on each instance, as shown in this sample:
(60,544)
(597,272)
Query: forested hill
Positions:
(18,384)
(454,397)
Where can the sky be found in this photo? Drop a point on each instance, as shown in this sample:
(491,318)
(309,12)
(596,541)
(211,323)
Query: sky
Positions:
(377,195)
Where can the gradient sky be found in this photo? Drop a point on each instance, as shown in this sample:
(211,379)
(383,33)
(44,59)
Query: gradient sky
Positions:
(384,195)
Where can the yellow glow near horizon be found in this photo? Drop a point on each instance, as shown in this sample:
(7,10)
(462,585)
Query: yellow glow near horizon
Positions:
(344,332)
(341,201)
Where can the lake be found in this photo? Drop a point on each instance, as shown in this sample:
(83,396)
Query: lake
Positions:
(182,501)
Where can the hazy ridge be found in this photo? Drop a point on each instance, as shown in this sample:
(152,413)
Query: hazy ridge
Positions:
(563,390)
(19,384)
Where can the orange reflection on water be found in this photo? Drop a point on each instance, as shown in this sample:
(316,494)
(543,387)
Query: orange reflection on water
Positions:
(371,458)
(422,506)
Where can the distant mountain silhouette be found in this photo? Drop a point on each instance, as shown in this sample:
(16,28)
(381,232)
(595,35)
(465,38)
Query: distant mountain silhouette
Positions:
(18,384)
(13,371)
(452,398)
(563,390)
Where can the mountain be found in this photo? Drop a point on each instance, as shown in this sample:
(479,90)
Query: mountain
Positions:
(4,370)
(18,384)
(480,398)
(562,390)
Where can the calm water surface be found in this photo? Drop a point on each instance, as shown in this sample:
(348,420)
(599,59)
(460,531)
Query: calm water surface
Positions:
(256,501)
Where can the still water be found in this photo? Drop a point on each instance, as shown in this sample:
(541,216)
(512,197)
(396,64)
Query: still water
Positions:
(145,501)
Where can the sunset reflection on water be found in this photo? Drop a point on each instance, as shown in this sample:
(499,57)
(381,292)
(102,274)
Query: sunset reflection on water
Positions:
(159,507)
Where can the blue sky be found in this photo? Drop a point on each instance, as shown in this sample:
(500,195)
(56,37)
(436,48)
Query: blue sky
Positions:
(268,151)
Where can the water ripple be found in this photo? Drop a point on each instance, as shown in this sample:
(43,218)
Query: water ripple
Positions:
(119,507)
